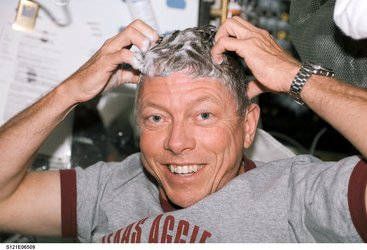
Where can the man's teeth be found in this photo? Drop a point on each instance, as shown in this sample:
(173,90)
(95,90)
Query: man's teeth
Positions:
(184,169)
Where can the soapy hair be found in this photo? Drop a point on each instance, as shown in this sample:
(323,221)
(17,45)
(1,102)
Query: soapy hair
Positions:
(189,51)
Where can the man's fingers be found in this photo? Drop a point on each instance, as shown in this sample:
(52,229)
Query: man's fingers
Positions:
(125,74)
(227,44)
(228,28)
(246,24)
(129,76)
(147,31)
(123,56)
(137,33)
(120,77)
(254,89)
(261,43)
(236,27)
(130,36)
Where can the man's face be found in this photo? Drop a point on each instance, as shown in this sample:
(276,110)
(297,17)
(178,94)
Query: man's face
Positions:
(192,138)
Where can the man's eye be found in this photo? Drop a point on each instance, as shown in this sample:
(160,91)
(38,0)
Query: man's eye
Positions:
(205,115)
(155,118)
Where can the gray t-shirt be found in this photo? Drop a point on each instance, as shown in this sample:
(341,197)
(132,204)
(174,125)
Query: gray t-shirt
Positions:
(300,199)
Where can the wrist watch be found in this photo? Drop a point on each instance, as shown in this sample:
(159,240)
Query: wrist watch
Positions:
(306,71)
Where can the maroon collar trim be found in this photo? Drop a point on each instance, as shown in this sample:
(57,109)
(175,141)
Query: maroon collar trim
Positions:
(167,205)
(249,165)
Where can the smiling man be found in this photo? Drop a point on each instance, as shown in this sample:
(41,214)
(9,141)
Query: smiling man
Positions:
(193,132)
(192,137)
(194,117)
(191,181)
(195,121)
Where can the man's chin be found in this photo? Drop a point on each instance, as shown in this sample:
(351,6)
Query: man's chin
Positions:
(183,202)
(179,200)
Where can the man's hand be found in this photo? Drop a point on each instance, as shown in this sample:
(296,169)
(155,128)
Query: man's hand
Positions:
(30,202)
(104,70)
(272,67)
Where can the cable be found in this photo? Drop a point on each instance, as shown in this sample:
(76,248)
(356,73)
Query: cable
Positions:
(290,141)
(62,2)
(316,140)
(64,5)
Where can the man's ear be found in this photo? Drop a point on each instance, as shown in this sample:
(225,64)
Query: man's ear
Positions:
(250,124)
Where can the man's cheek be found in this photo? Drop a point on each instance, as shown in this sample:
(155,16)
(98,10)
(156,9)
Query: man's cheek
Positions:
(215,137)
(149,138)
(151,146)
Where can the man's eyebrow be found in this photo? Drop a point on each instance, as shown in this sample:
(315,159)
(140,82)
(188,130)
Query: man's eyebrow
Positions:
(191,103)
(206,98)
(150,105)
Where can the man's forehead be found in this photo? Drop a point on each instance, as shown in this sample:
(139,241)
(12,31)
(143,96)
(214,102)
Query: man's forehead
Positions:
(184,88)
(179,78)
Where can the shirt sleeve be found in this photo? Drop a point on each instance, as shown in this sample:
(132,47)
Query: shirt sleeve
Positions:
(357,198)
(80,196)
(85,193)
(325,203)
(68,203)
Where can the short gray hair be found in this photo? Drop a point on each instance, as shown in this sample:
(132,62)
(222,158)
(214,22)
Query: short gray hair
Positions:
(189,50)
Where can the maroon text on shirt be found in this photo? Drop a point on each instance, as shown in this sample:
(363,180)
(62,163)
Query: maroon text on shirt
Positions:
(167,230)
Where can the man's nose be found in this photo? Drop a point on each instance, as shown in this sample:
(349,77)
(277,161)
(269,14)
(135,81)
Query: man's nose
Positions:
(180,138)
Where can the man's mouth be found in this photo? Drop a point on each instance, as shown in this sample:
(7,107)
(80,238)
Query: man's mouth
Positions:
(184,170)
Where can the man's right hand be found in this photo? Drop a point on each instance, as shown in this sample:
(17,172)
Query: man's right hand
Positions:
(30,202)
(103,71)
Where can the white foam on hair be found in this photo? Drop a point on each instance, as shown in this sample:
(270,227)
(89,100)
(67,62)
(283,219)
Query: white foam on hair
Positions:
(188,51)
(137,61)
(146,62)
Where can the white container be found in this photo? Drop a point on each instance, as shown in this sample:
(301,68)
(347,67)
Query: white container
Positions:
(143,10)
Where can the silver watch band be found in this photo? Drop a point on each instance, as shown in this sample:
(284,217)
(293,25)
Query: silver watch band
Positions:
(298,83)
(307,69)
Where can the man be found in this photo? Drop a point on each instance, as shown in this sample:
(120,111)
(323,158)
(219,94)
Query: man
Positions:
(194,126)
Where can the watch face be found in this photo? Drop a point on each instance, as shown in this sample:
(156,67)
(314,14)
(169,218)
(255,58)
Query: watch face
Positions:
(315,66)
(318,69)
